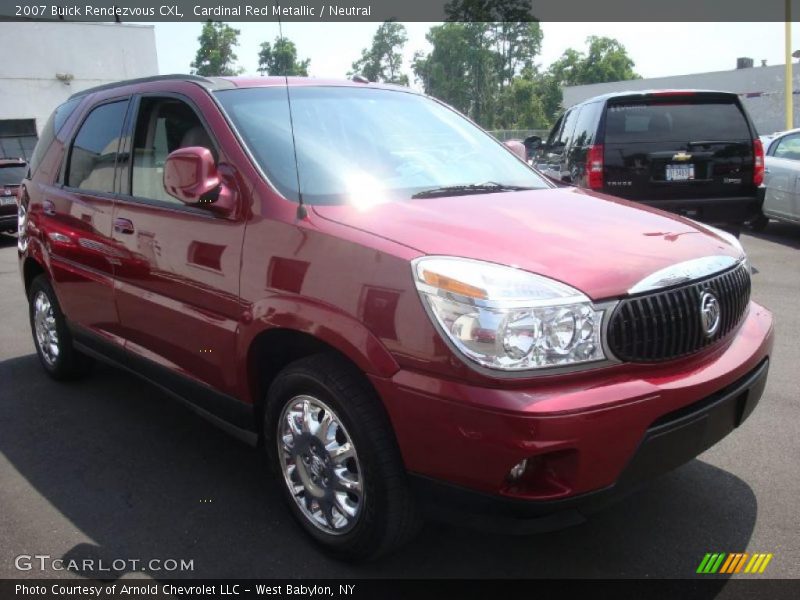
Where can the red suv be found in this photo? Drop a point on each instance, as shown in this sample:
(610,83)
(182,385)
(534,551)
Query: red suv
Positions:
(398,307)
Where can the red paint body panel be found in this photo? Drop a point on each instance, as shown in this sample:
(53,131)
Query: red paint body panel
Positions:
(608,243)
(192,291)
(472,436)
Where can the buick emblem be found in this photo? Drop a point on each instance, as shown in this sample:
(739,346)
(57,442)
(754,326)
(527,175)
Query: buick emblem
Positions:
(709,313)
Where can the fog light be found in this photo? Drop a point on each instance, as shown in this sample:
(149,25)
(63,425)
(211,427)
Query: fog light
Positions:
(518,470)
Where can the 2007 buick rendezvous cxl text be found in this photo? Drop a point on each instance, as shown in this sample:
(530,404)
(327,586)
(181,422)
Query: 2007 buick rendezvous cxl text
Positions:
(390,300)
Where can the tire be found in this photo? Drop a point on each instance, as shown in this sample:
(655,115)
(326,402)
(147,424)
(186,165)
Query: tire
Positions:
(372,479)
(759,223)
(51,335)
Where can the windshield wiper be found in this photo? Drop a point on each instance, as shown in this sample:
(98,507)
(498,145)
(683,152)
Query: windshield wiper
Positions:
(474,188)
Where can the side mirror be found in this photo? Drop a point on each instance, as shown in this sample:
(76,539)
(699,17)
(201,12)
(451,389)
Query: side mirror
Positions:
(517,148)
(532,143)
(191,176)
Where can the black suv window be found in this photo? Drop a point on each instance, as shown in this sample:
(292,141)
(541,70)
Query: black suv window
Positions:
(555,131)
(94,150)
(586,126)
(678,121)
(565,135)
(163,126)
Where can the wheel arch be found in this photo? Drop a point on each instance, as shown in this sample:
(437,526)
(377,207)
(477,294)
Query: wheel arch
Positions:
(300,329)
(31,269)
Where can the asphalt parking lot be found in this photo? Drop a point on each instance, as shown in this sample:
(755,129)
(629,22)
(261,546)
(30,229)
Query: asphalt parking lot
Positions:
(111,468)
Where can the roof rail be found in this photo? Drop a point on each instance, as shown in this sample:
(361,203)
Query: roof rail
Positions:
(115,84)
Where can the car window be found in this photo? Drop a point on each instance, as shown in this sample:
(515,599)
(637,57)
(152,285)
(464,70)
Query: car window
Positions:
(12,174)
(788,147)
(364,145)
(163,126)
(51,129)
(677,121)
(586,125)
(570,119)
(94,149)
(555,131)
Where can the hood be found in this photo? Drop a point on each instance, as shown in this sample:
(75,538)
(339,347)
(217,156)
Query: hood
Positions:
(600,245)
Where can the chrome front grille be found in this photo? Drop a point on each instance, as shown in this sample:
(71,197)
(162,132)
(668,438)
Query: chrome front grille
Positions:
(668,324)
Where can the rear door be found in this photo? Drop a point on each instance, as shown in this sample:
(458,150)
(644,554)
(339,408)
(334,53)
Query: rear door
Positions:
(782,195)
(76,216)
(583,138)
(678,146)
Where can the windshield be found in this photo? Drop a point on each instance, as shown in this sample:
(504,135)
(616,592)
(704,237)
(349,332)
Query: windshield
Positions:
(367,145)
(12,174)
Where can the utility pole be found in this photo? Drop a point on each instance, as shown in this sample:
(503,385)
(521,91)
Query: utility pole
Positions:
(788,69)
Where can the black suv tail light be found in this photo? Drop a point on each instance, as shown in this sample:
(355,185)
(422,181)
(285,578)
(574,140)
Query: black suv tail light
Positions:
(758,162)
(594,167)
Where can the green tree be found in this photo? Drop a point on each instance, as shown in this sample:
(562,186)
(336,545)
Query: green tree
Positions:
(444,71)
(478,54)
(473,62)
(281,59)
(506,27)
(383,60)
(215,56)
(548,90)
(460,69)
(516,45)
(605,60)
(521,104)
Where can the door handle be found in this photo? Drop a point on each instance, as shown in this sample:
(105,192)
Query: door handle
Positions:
(123,226)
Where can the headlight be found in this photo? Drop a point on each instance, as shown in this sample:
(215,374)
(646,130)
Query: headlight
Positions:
(509,319)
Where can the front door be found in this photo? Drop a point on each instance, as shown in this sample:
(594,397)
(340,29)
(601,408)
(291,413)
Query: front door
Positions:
(178,286)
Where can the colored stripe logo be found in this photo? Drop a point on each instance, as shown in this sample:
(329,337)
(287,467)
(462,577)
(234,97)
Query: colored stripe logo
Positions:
(736,562)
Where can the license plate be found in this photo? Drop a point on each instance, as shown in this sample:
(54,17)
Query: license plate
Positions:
(7,201)
(679,172)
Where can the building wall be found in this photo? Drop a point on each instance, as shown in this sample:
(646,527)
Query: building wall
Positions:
(93,53)
(765,85)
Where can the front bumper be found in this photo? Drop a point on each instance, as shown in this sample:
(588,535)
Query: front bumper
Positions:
(593,437)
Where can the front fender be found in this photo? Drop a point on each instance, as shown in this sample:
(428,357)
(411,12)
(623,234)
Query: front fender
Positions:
(324,322)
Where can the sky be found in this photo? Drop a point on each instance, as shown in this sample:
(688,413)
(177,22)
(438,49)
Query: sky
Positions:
(658,49)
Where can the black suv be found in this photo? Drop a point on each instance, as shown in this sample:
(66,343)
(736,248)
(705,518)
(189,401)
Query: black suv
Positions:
(691,152)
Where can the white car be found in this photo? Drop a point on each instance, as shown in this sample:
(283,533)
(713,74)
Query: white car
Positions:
(781,179)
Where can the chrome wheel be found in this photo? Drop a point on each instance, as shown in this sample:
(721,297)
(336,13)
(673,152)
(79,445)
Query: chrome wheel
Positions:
(44,324)
(320,465)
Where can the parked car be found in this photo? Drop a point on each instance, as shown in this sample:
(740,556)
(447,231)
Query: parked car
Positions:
(12,172)
(407,317)
(781,187)
(695,153)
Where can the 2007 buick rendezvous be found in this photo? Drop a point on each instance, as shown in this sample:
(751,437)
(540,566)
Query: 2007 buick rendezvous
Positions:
(393,302)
